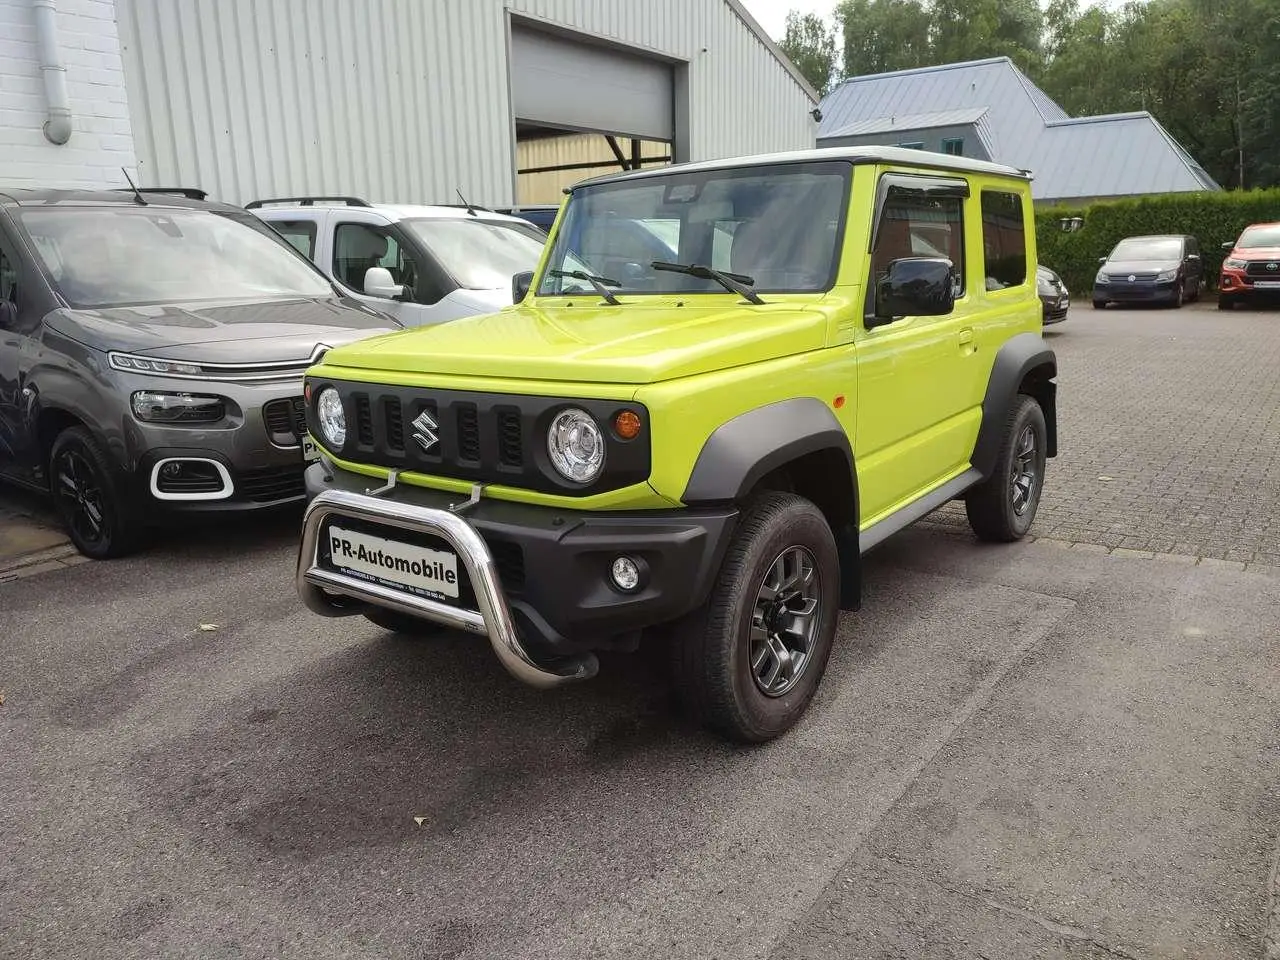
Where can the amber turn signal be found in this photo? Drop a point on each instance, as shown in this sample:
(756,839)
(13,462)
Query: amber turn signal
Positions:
(626,425)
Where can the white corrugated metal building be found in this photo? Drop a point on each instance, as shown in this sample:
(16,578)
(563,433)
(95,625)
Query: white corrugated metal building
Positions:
(400,100)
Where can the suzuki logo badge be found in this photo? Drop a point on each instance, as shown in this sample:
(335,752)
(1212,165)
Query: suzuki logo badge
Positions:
(426,435)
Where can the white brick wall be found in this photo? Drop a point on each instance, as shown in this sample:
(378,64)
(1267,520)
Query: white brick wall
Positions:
(101,138)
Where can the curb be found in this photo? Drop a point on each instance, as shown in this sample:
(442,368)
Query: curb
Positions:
(41,561)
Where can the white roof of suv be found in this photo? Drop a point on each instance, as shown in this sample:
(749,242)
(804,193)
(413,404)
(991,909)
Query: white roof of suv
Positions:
(392,211)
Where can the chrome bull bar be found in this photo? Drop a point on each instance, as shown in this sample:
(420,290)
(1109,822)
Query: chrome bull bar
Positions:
(493,619)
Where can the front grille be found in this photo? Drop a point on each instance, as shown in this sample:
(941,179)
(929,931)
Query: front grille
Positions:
(508,557)
(286,420)
(271,483)
(1263,269)
(478,437)
(468,432)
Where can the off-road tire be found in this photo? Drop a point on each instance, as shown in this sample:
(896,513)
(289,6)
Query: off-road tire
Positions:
(120,526)
(711,648)
(990,505)
(403,623)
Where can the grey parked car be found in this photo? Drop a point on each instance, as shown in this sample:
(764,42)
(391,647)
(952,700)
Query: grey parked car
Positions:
(151,357)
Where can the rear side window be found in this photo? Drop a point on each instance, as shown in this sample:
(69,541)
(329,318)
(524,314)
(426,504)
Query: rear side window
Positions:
(301,234)
(1004,240)
(8,278)
(915,225)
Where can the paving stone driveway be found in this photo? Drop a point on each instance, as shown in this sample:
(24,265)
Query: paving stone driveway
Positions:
(1169,426)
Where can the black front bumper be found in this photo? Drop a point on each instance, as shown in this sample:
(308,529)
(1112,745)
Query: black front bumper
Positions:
(254,489)
(554,564)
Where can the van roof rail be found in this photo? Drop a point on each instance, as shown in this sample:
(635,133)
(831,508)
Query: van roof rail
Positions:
(309,201)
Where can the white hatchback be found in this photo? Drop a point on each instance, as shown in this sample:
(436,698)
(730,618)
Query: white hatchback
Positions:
(419,264)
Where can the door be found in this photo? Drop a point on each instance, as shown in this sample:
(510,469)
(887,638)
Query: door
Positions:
(19,321)
(914,422)
(358,245)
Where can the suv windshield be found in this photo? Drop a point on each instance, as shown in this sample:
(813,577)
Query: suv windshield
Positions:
(1148,248)
(1268,236)
(480,254)
(111,257)
(779,225)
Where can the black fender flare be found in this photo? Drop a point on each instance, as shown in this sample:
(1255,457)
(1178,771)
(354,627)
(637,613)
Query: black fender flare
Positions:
(1023,356)
(741,451)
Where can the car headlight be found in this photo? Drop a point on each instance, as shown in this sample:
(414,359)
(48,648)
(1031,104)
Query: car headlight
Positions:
(153,407)
(575,444)
(1234,264)
(135,364)
(333,419)
(1102,277)
(1167,275)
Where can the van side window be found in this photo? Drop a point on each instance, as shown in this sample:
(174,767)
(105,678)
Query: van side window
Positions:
(913,225)
(1004,240)
(301,235)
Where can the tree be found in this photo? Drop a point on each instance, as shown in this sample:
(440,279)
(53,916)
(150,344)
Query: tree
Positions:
(884,35)
(811,46)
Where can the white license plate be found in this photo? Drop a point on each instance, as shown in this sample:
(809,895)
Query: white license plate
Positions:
(1267,284)
(420,570)
(310,451)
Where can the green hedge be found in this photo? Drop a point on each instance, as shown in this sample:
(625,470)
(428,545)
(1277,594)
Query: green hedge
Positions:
(1212,218)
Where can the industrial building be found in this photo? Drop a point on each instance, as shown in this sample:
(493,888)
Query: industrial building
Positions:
(392,100)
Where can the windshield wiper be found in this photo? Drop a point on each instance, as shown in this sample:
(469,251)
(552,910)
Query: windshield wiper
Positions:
(591,278)
(735,282)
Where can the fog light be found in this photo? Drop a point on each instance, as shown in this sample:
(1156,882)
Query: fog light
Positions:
(626,574)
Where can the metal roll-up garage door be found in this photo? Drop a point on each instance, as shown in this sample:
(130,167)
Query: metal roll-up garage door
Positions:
(576,86)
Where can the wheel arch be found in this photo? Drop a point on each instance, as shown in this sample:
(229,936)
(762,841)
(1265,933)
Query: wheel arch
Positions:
(795,445)
(1025,364)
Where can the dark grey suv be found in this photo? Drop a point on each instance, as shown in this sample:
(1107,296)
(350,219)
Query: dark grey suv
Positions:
(151,357)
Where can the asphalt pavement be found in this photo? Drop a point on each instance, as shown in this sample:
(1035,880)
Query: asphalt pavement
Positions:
(1037,750)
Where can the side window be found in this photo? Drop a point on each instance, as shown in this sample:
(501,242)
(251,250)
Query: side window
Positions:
(953,146)
(1193,245)
(301,234)
(1004,240)
(915,225)
(359,246)
(8,278)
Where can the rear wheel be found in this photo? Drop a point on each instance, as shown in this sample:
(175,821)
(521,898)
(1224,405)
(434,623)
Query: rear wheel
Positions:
(90,496)
(748,663)
(1002,507)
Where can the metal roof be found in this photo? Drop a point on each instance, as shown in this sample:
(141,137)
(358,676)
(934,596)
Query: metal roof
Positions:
(911,121)
(1119,155)
(861,154)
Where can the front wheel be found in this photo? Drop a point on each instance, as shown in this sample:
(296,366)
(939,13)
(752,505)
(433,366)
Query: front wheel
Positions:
(1179,295)
(90,497)
(1226,303)
(748,663)
(1002,507)
(1099,304)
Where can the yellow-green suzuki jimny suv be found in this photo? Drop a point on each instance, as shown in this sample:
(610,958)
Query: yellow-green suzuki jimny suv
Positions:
(724,384)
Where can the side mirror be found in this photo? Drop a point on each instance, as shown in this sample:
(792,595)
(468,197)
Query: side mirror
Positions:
(8,315)
(916,287)
(520,284)
(378,283)
(1229,246)
(1102,259)
(1193,256)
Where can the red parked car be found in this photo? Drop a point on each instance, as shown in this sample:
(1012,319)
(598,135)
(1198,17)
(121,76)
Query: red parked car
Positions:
(1251,271)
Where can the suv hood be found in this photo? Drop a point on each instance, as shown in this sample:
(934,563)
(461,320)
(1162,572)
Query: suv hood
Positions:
(1256,253)
(1139,266)
(226,332)
(641,341)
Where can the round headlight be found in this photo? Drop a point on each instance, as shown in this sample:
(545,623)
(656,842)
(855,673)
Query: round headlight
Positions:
(333,421)
(576,445)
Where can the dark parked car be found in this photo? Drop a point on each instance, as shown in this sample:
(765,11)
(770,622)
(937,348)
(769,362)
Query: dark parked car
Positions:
(1055,299)
(1251,271)
(541,215)
(151,358)
(1157,269)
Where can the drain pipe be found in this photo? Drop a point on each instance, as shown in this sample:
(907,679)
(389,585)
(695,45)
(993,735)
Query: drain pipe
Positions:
(57,128)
